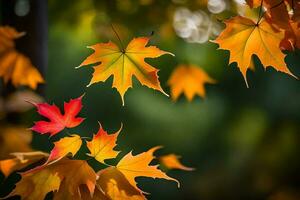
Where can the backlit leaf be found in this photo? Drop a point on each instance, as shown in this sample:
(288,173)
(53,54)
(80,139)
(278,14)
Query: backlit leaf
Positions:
(125,63)
(58,121)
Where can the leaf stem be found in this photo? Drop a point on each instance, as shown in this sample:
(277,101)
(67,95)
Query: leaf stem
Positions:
(260,12)
(107,165)
(116,33)
(84,137)
(67,132)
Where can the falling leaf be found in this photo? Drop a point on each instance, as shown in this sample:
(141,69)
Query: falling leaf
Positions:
(36,185)
(132,166)
(171,161)
(125,63)
(190,80)
(63,147)
(115,186)
(259,39)
(7,36)
(18,68)
(14,139)
(102,145)
(20,161)
(58,121)
(14,66)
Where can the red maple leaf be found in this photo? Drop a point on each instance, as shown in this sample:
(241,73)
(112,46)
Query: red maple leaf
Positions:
(58,121)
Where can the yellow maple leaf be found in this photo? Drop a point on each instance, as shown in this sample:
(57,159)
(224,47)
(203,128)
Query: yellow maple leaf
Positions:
(132,166)
(63,147)
(190,80)
(102,145)
(125,63)
(18,68)
(171,161)
(260,39)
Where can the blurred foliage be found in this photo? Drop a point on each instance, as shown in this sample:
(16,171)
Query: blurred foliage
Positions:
(243,142)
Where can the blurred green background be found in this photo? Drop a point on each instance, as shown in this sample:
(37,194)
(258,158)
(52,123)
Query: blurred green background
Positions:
(243,142)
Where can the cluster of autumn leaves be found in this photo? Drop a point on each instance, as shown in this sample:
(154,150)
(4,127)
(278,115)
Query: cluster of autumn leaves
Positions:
(75,179)
(276,29)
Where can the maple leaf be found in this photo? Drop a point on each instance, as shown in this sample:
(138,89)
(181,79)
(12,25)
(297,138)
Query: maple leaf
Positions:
(259,39)
(171,161)
(63,147)
(35,185)
(58,121)
(20,161)
(115,185)
(102,145)
(18,68)
(125,63)
(190,80)
(7,36)
(138,166)
(279,16)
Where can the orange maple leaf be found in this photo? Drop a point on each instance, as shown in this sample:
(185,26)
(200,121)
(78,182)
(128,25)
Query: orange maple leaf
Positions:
(15,66)
(190,80)
(18,68)
(260,39)
(171,161)
(132,166)
(7,36)
(102,145)
(125,63)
